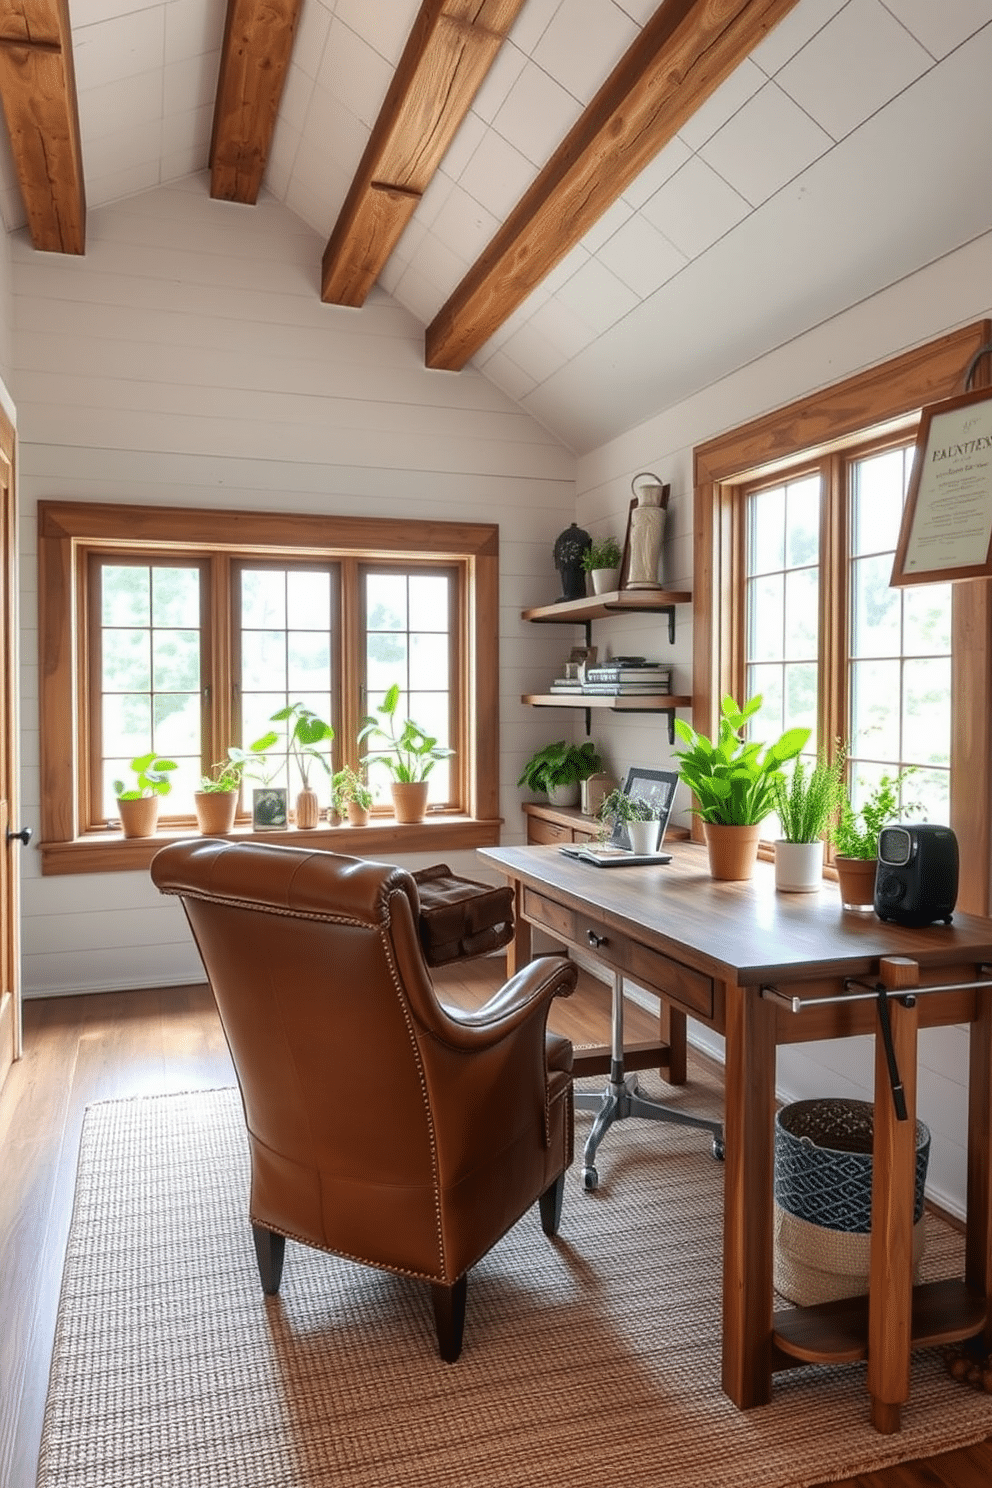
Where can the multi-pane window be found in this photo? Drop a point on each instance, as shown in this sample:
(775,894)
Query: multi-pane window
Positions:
(183,631)
(828,643)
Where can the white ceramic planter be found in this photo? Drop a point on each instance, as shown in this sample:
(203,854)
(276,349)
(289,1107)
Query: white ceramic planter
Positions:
(604,580)
(798,866)
(643,835)
(564,795)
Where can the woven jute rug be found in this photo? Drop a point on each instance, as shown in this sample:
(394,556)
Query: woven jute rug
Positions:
(592,1358)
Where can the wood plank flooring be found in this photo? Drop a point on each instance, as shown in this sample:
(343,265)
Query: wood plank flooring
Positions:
(114,1045)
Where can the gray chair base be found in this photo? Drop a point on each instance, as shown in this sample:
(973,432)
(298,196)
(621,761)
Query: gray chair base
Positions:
(622,1099)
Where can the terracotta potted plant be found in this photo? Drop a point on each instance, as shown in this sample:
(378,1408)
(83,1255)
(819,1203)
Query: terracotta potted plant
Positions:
(806,805)
(305,732)
(351,797)
(558,770)
(602,563)
(408,752)
(216,800)
(138,805)
(855,838)
(733,781)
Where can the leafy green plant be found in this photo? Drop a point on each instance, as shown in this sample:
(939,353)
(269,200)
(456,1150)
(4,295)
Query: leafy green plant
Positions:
(732,779)
(415,751)
(227,774)
(856,832)
(153,777)
(304,732)
(808,801)
(619,807)
(560,764)
(605,554)
(346,787)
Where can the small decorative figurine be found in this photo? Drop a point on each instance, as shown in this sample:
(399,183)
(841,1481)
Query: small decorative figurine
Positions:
(645,532)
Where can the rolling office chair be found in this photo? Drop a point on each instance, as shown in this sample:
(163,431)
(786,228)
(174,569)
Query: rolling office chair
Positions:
(622,1099)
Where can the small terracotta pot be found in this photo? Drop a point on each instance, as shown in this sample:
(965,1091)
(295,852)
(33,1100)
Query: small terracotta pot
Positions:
(215,811)
(856,877)
(358,816)
(410,799)
(139,818)
(733,850)
(307,810)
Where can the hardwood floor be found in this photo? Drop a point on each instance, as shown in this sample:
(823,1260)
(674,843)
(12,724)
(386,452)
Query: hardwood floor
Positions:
(113,1045)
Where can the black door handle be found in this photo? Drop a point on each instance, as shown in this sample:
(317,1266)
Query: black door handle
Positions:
(24,835)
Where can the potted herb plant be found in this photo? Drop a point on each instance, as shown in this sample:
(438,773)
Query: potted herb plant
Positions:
(351,797)
(558,770)
(138,805)
(602,562)
(304,733)
(733,781)
(806,805)
(855,837)
(216,800)
(408,752)
(638,815)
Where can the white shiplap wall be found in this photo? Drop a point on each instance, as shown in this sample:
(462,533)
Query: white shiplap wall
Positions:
(187,360)
(949,293)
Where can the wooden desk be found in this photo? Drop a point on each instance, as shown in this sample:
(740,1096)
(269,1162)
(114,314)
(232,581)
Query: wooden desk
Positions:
(715,951)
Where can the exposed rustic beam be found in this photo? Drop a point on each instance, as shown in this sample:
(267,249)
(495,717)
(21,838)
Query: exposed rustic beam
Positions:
(258,43)
(452,45)
(38,91)
(682,55)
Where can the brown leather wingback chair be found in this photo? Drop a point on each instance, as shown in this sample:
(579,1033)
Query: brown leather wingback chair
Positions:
(383,1126)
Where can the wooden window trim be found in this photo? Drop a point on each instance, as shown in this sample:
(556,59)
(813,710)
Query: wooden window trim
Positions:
(891,393)
(64,527)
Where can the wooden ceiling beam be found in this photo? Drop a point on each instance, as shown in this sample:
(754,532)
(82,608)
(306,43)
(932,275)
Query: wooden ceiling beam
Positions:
(452,45)
(38,89)
(258,44)
(681,56)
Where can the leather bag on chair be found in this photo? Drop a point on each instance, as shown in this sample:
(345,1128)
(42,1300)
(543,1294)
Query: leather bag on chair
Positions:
(383,1126)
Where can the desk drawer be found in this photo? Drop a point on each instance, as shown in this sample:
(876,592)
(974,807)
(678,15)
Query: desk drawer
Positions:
(545,831)
(671,979)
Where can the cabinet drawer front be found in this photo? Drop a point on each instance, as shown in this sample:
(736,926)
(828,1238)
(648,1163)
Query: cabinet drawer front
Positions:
(545,831)
(688,988)
(553,917)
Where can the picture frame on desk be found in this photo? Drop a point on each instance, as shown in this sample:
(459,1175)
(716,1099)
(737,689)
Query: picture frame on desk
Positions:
(654,786)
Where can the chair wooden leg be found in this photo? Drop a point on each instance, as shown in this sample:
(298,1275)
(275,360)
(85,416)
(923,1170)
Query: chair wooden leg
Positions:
(550,1202)
(449,1317)
(270,1249)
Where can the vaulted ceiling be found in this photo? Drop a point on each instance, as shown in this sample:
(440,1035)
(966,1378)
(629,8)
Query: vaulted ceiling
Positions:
(604,204)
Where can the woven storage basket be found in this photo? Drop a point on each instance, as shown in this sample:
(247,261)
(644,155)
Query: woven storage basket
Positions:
(823,1174)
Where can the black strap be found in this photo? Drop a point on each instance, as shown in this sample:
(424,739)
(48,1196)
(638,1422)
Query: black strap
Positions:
(898,1094)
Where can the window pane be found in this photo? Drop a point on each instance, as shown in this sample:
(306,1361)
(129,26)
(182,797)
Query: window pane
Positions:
(308,664)
(927,619)
(875,710)
(767,682)
(766,618)
(263,659)
(802,531)
(150,677)
(263,599)
(308,601)
(766,531)
(876,629)
(879,486)
(802,598)
(927,712)
(407,642)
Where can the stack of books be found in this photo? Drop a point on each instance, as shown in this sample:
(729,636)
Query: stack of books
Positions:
(620,678)
(616,679)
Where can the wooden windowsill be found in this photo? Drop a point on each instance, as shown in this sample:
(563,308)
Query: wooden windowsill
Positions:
(110,852)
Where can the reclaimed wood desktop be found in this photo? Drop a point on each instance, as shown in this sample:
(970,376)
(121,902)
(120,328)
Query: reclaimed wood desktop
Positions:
(737,956)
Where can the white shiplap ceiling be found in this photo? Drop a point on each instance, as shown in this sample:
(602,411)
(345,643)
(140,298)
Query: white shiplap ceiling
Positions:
(850,149)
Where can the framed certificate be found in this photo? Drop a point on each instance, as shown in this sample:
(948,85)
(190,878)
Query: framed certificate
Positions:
(946,530)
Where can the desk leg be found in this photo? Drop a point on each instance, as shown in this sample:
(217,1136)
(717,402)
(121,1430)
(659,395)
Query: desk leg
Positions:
(519,952)
(890,1290)
(978,1253)
(671,1028)
(748,1197)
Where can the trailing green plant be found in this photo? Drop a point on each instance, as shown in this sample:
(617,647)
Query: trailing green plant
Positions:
(347,787)
(560,764)
(152,772)
(304,732)
(408,751)
(732,778)
(809,800)
(605,554)
(855,834)
(619,807)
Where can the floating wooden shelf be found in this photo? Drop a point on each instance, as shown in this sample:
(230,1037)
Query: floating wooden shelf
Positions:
(599,606)
(651,702)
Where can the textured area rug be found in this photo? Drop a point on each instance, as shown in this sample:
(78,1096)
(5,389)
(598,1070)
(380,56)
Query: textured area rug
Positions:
(589,1359)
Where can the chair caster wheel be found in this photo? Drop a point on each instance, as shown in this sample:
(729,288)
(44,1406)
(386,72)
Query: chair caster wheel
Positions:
(719,1151)
(590,1179)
